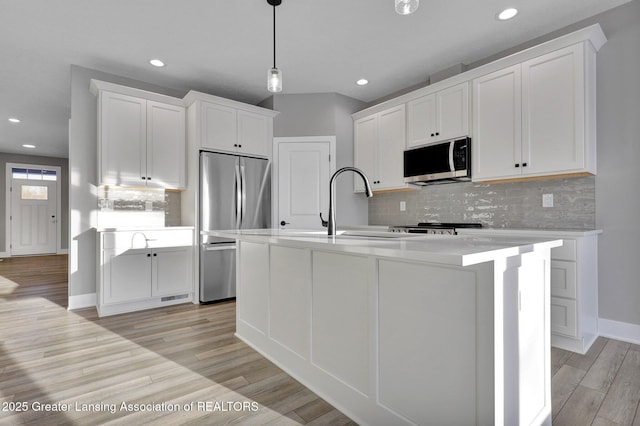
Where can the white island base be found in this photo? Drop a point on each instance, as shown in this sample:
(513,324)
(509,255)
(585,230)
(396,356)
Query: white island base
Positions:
(423,331)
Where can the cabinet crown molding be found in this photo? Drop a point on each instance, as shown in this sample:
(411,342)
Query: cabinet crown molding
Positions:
(194,96)
(592,34)
(96,86)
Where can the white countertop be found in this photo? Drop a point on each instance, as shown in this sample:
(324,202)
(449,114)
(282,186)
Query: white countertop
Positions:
(462,250)
(142,228)
(559,233)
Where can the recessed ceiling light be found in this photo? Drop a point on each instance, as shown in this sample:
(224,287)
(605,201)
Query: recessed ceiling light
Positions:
(14,120)
(507,14)
(362,82)
(157,63)
(26,145)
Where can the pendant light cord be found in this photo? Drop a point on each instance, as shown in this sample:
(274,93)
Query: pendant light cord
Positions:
(274,36)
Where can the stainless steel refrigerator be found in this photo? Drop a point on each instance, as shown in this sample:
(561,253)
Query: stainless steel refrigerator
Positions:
(235,193)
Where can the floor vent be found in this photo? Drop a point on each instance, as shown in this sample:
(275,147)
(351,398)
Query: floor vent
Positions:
(168,298)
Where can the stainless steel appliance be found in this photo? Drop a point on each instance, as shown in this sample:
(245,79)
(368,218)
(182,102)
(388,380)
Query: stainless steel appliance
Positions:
(438,163)
(448,228)
(235,193)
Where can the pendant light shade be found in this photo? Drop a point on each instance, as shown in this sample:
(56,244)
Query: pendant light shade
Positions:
(274,75)
(274,80)
(405,7)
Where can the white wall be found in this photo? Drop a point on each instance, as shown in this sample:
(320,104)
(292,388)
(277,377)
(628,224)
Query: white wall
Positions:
(325,114)
(617,191)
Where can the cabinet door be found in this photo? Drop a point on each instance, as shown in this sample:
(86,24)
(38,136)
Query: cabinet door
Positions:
(452,106)
(127,275)
(497,125)
(172,271)
(122,135)
(219,127)
(254,133)
(421,121)
(165,145)
(366,150)
(391,143)
(553,112)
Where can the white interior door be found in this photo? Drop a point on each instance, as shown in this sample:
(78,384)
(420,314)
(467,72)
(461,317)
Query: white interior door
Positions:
(304,170)
(33,217)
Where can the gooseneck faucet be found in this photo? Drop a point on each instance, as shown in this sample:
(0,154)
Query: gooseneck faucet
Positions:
(331,223)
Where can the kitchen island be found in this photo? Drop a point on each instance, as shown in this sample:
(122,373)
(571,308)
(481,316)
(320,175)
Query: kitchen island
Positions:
(428,330)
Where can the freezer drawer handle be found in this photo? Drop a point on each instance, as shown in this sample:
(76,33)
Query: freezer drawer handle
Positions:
(217,248)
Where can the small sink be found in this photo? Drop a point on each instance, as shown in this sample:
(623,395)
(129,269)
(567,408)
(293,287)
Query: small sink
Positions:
(376,234)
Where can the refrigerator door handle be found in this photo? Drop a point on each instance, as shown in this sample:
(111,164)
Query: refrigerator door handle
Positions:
(219,248)
(239,191)
(243,204)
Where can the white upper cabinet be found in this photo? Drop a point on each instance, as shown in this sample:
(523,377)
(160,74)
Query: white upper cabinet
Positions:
(532,113)
(122,139)
(141,142)
(219,126)
(553,112)
(531,119)
(438,116)
(379,142)
(255,133)
(497,137)
(165,145)
(225,125)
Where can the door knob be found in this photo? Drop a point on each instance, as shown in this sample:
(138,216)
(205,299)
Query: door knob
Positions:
(283,223)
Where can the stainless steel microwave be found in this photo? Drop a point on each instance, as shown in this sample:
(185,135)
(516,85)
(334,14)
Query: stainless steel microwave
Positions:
(442,162)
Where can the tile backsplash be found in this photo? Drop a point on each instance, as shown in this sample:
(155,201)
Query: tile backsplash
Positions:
(499,205)
(120,206)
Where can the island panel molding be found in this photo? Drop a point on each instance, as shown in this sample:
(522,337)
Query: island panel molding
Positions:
(465,320)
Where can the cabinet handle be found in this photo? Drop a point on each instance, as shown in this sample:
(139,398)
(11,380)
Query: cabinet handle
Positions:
(524,164)
(148,254)
(155,254)
(517,165)
(239,145)
(432,134)
(148,177)
(437,133)
(143,178)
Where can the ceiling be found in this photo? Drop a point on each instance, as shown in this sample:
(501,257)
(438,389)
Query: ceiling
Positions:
(225,48)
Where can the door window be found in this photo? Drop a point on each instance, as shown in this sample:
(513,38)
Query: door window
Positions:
(34,192)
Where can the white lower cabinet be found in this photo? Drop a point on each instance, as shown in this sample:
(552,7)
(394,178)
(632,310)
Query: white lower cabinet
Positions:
(126,275)
(136,272)
(574,286)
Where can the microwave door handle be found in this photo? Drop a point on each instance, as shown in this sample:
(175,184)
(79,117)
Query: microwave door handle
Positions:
(451,164)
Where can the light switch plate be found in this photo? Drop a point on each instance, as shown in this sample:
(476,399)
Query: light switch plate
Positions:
(547,200)
(403,206)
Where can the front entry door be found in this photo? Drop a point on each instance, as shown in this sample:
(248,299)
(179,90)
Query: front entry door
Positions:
(33,217)
(304,170)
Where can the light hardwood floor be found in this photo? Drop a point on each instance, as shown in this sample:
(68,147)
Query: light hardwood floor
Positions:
(174,355)
(188,353)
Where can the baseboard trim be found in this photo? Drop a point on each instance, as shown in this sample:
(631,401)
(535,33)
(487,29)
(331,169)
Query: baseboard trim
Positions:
(623,331)
(82,301)
(4,254)
(63,251)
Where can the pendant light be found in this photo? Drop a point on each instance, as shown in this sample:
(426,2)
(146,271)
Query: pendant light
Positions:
(405,7)
(274,75)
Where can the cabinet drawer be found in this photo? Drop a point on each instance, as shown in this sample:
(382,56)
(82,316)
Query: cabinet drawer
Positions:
(563,317)
(147,238)
(563,279)
(567,251)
